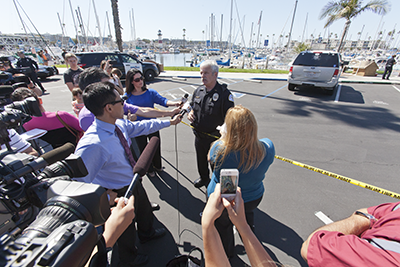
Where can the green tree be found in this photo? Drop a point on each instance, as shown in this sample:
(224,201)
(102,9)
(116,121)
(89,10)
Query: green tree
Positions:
(301,47)
(349,9)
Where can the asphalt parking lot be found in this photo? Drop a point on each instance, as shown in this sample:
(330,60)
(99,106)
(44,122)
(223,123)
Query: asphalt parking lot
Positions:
(353,133)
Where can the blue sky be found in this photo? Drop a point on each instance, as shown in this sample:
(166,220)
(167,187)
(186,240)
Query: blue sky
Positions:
(171,17)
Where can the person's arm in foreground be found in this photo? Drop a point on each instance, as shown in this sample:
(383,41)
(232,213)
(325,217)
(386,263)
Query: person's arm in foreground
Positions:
(258,256)
(121,217)
(155,113)
(213,249)
(353,225)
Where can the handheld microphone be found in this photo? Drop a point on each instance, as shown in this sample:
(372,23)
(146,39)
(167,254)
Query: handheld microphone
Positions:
(185,109)
(142,165)
(48,158)
(184,99)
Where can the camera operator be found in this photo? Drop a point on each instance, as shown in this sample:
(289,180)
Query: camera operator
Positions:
(19,145)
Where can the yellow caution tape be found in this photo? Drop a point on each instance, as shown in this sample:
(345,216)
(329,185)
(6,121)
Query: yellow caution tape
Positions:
(331,174)
(342,178)
(216,137)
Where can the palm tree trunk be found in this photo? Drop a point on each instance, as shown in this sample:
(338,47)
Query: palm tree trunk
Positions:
(343,37)
(117,25)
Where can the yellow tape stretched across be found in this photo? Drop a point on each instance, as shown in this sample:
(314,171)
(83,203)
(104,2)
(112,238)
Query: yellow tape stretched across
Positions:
(342,178)
(216,137)
(331,174)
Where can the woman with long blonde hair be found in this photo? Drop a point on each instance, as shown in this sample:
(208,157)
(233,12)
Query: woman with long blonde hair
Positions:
(239,148)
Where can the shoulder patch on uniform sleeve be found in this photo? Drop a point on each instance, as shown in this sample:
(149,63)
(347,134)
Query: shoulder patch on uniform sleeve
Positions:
(230,98)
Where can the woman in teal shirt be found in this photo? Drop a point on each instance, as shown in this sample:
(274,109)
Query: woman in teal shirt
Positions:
(239,148)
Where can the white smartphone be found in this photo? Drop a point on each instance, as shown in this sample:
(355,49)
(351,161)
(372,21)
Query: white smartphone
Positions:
(229,179)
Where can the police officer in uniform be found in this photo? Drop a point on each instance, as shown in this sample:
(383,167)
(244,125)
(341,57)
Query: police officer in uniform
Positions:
(210,102)
(27,62)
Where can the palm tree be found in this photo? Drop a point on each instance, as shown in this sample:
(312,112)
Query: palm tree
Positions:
(117,25)
(349,9)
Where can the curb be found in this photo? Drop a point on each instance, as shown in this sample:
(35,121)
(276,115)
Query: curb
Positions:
(283,79)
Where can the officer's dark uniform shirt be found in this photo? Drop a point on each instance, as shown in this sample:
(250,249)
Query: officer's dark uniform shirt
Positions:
(210,108)
(27,62)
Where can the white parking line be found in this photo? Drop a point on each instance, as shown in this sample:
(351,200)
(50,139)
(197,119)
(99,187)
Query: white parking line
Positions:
(325,219)
(396,88)
(184,91)
(338,93)
(194,87)
(274,92)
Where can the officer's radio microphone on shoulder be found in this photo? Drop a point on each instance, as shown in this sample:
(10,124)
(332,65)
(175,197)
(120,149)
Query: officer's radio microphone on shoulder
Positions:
(142,165)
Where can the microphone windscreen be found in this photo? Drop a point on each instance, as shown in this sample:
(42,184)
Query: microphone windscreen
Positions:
(58,153)
(145,159)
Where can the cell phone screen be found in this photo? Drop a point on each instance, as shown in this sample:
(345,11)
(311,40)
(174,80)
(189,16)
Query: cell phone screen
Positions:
(228,184)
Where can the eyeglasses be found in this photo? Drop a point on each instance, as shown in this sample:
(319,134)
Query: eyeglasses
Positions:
(115,102)
(138,79)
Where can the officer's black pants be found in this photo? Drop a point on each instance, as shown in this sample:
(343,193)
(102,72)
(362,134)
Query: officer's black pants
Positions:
(202,146)
(388,71)
(35,80)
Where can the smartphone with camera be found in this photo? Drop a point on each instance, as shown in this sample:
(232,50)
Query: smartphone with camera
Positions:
(229,179)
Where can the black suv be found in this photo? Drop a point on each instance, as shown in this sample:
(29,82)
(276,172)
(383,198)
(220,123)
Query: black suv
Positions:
(122,61)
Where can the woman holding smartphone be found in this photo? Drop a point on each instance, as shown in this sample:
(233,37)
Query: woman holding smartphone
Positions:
(138,94)
(239,148)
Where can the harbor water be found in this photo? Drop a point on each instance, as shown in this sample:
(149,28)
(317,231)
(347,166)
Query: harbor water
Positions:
(174,60)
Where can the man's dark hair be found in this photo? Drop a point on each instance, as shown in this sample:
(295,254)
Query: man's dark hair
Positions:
(97,95)
(21,93)
(91,75)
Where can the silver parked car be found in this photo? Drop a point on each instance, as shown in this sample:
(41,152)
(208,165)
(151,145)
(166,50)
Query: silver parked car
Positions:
(315,68)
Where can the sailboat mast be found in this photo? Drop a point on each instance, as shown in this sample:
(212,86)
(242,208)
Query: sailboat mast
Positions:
(291,27)
(220,40)
(134,30)
(62,29)
(304,29)
(230,32)
(259,26)
(98,24)
(73,19)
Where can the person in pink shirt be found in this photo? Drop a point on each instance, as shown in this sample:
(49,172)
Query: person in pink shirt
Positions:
(369,237)
(61,126)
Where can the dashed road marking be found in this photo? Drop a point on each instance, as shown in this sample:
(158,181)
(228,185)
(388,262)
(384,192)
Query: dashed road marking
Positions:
(338,93)
(325,219)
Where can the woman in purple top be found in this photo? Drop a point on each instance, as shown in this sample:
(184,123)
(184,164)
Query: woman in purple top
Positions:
(138,94)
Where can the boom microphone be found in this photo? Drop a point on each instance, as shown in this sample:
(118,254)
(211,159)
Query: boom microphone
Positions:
(143,164)
(48,158)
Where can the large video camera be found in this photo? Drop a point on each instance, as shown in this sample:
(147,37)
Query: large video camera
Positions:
(45,218)
(63,233)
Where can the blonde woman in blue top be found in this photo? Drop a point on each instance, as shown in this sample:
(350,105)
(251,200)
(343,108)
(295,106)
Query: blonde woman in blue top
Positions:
(239,148)
(138,94)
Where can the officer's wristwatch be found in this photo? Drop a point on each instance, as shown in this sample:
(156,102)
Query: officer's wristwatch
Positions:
(370,217)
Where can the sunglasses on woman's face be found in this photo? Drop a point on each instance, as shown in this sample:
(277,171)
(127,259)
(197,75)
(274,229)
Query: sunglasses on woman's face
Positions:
(138,79)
